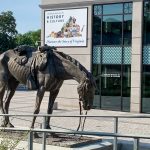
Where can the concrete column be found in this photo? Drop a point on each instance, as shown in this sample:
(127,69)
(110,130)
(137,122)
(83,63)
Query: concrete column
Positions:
(136,63)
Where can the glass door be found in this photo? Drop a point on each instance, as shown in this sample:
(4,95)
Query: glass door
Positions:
(111,87)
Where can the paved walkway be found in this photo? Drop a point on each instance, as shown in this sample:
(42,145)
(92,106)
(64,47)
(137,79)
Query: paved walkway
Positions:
(23,103)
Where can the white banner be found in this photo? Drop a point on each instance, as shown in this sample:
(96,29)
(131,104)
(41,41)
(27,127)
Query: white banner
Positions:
(65,28)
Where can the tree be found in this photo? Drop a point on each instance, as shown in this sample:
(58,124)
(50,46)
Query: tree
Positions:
(29,38)
(7,31)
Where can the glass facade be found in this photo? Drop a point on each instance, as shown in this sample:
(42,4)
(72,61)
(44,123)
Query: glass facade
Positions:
(111,63)
(146,59)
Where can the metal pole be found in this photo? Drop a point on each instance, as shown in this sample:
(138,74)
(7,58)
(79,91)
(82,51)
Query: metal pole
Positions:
(44,134)
(115,131)
(136,144)
(30,140)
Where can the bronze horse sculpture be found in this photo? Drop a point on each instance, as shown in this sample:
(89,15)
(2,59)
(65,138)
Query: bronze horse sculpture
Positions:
(42,70)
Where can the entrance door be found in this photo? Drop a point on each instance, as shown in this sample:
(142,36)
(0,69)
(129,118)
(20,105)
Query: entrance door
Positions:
(111,87)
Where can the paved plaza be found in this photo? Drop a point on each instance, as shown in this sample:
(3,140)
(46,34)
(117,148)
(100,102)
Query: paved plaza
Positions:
(23,103)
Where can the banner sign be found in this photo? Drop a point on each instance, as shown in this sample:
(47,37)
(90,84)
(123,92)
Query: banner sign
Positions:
(65,28)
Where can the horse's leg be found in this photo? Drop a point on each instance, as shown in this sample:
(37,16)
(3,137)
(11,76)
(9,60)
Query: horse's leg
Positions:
(10,93)
(52,97)
(39,97)
(2,91)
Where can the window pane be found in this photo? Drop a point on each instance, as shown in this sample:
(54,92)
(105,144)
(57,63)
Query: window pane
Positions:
(96,69)
(112,30)
(111,55)
(111,80)
(146,60)
(146,89)
(96,30)
(96,55)
(113,9)
(146,81)
(127,55)
(127,8)
(111,87)
(126,87)
(147,23)
(97,9)
(126,82)
(146,55)
(127,29)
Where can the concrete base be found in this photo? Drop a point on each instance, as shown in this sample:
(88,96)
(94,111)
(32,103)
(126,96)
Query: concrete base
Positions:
(129,146)
(96,146)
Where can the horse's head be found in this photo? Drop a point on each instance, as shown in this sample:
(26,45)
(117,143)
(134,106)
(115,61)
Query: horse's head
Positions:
(86,92)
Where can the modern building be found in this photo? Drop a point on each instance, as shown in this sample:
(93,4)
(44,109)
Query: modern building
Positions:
(111,38)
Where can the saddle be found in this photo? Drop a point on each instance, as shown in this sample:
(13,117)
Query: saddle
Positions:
(24,55)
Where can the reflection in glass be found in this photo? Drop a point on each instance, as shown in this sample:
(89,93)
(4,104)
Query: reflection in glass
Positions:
(112,30)
(127,30)
(146,24)
(111,87)
(113,9)
(146,89)
(146,60)
(126,86)
(111,80)
(96,69)
(97,30)
(96,72)
(146,81)
(126,81)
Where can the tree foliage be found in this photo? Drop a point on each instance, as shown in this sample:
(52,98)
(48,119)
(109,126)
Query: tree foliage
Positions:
(9,37)
(29,38)
(7,31)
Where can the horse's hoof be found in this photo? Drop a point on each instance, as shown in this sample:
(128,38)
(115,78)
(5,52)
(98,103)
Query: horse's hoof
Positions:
(3,125)
(48,127)
(7,125)
(10,125)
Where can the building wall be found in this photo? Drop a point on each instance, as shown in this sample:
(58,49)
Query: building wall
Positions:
(68,91)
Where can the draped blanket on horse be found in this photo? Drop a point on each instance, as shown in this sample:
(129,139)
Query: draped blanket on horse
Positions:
(24,69)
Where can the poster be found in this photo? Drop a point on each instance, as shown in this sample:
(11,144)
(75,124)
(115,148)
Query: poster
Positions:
(66,28)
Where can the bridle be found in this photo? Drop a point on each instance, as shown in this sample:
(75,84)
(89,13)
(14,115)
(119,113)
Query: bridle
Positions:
(80,118)
(82,100)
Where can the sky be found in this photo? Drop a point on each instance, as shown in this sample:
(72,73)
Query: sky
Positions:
(26,12)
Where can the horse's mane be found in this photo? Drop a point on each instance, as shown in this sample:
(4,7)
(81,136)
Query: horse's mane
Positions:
(80,67)
(74,62)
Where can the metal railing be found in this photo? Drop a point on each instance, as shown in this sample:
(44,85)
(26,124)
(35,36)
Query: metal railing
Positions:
(115,134)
